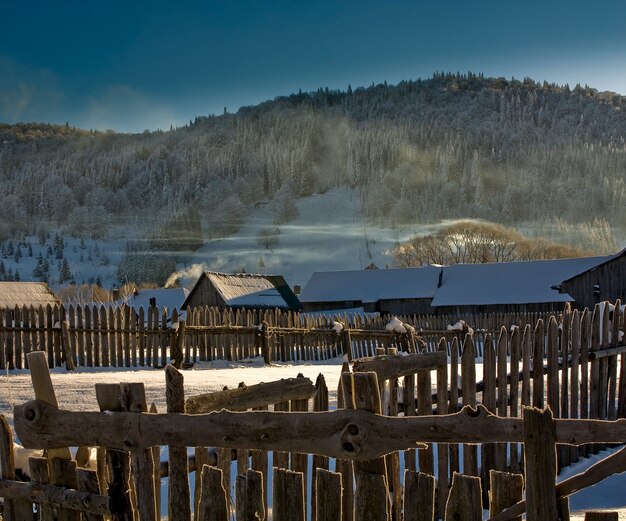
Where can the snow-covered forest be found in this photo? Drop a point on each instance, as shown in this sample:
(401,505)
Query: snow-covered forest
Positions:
(453,146)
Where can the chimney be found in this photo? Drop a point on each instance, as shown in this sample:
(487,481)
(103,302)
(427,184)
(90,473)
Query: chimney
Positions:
(115,294)
(440,281)
(296,289)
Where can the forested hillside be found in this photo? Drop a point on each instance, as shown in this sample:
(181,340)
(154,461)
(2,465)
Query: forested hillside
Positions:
(453,146)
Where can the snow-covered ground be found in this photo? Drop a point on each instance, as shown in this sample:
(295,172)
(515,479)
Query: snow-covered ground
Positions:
(75,391)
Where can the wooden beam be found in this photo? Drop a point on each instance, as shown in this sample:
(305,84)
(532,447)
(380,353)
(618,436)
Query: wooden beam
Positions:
(251,396)
(387,367)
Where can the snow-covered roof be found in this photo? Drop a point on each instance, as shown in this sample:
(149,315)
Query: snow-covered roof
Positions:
(509,282)
(26,294)
(251,290)
(164,297)
(371,285)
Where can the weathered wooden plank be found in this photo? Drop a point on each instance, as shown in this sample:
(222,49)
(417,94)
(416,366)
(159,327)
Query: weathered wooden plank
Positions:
(419,496)
(398,366)
(328,496)
(540,465)
(40,474)
(288,496)
(468,387)
(179,495)
(465,502)
(538,353)
(453,407)
(87,481)
(14,509)
(506,490)
(213,503)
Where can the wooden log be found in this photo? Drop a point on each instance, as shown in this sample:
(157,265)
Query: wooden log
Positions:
(338,434)
(281,458)
(540,465)
(398,366)
(252,396)
(48,496)
(419,496)
(328,496)
(213,503)
(179,496)
(505,490)
(40,474)
(44,390)
(87,481)
(288,496)
(465,500)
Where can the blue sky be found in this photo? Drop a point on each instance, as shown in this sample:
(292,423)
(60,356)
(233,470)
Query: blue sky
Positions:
(136,65)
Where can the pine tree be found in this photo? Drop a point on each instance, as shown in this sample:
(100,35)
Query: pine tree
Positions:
(58,246)
(65,275)
(17,277)
(30,250)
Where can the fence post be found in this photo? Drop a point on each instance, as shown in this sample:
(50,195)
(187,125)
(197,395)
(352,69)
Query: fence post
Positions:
(371,495)
(540,465)
(465,500)
(288,496)
(265,343)
(40,473)
(506,490)
(213,504)
(346,344)
(327,496)
(601,516)
(343,466)
(177,353)
(419,496)
(14,509)
(249,496)
(179,508)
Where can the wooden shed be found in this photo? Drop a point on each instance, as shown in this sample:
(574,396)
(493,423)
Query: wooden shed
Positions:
(242,290)
(605,281)
(27,294)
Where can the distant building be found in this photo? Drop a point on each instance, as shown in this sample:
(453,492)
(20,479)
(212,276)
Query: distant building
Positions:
(528,286)
(26,294)
(398,291)
(242,290)
(462,289)
(604,281)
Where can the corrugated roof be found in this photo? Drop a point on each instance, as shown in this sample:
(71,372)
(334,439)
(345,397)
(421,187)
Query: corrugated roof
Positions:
(26,294)
(371,285)
(526,282)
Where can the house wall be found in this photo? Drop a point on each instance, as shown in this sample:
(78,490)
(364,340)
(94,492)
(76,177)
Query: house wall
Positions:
(205,295)
(463,311)
(610,279)
(332,305)
(404,306)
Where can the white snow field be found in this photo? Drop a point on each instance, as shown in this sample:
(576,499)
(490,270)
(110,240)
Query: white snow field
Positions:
(75,391)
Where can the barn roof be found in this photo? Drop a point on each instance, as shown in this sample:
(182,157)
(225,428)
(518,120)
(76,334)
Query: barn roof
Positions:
(371,285)
(26,294)
(592,268)
(528,282)
(249,290)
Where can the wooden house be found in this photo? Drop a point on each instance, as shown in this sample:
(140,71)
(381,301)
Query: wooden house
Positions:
(528,286)
(242,290)
(399,291)
(605,281)
(26,294)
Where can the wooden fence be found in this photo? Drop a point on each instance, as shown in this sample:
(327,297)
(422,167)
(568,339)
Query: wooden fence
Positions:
(571,365)
(98,336)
